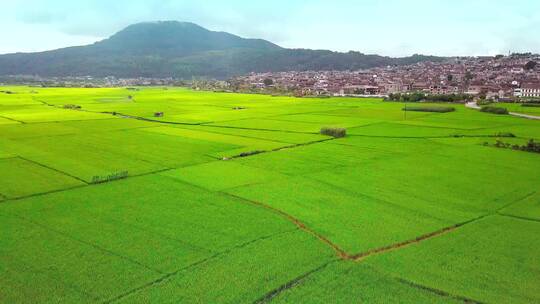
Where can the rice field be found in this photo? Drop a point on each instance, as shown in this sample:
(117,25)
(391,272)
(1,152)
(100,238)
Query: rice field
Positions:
(232,198)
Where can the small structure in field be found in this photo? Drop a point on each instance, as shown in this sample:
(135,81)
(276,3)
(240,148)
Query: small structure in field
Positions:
(334,132)
(158,114)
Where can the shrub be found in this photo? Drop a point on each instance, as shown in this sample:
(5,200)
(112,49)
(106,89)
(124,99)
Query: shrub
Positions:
(334,132)
(484,102)
(494,110)
(109,178)
(530,100)
(531,105)
(419,96)
(72,107)
(250,153)
(505,134)
(531,146)
(430,109)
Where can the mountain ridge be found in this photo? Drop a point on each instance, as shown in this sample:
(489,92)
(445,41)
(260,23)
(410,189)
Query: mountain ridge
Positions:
(185,50)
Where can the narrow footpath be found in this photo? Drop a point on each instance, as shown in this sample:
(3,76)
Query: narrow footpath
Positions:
(475,106)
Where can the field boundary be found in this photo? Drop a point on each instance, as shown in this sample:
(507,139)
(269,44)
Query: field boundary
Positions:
(288,147)
(517,217)
(53,169)
(257,129)
(195,264)
(14,199)
(247,136)
(97,247)
(15,120)
(120,115)
(269,296)
(429,137)
(339,251)
(362,256)
(438,292)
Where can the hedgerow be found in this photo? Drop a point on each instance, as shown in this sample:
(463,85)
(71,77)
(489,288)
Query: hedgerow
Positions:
(72,107)
(418,97)
(111,177)
(530,146)
(429,109)
(334,132)
(494,110)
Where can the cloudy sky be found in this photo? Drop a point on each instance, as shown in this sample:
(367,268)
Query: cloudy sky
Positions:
(389,27)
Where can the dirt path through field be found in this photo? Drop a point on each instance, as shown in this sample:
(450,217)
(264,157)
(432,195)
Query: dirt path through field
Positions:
(475,106)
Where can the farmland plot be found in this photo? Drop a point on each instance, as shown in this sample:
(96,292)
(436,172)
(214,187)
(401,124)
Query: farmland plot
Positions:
(21,177)
(491,260)
(235,198)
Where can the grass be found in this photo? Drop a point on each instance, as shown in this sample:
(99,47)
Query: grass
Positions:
(22,177)
(437,216)
(353,283)
(527,208)
(222,175)
(488,261)
(285,257)
(341,216)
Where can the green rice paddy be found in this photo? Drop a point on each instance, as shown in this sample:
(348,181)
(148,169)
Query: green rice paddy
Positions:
(233,198)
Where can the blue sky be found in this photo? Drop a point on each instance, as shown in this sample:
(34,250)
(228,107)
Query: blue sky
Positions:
(390,27)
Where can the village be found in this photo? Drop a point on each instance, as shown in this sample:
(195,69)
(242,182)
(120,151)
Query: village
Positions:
(498,78)
(501,78)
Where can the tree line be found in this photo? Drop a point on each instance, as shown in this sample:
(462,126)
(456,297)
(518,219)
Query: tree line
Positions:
(418,97)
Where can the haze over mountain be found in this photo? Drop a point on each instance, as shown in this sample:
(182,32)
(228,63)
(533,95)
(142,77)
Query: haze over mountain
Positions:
(185,50)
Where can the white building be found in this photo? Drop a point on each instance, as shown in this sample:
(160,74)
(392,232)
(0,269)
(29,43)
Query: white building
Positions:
(530,90)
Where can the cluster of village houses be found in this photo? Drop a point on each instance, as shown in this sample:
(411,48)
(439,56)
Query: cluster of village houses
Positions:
(499,77)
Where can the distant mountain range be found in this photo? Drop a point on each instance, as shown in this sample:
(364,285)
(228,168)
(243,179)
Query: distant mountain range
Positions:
(185,50)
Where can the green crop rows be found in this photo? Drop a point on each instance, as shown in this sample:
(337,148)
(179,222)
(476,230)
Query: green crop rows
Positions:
(231,198)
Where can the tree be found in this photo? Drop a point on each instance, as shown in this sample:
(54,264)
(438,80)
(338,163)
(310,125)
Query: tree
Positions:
(450,78)
(530,65)
(268,82)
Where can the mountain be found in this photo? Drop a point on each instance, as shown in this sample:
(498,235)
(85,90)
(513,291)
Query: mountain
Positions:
(185,50)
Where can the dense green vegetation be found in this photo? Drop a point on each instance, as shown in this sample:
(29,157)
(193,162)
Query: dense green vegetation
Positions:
(419,96)
(494,110)
(435,109)
(524,108)
(185,50)
(209,204)
(334,132)
(530,146)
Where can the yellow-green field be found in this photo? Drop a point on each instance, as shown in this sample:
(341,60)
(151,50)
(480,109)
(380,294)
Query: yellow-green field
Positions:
(110,204)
